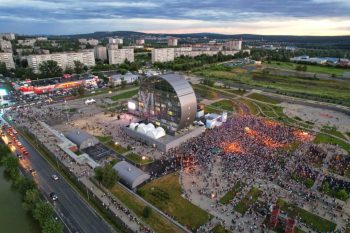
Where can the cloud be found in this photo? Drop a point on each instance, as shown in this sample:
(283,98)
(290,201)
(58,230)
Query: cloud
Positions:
(171,15)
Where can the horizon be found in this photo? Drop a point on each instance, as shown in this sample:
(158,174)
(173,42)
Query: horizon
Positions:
(64,17)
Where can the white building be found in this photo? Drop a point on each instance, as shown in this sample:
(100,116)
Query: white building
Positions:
(41,38)
(64,60)
(101,52)
(233,45)
(172,42)
(92,42)
(6,46)
(116,80)
(8,36)
(308,59)
(140,42)
(112,40)
(27,42)
(118,56)
(7,58)
(163,55)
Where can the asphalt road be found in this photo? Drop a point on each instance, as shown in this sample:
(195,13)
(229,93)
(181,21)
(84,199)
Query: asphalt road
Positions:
(75,212)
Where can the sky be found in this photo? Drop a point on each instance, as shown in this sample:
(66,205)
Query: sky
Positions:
(266,17)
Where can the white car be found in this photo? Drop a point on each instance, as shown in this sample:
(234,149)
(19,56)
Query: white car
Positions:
(54,177)
(90,101)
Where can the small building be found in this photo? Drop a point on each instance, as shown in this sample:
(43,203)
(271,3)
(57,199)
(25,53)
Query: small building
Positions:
(116,80)
(130,175)
(82,139)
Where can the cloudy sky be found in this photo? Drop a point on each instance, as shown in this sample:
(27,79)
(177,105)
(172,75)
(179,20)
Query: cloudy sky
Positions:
(273,17)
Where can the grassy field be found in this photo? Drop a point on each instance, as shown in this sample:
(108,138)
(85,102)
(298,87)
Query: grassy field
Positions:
(125,95)
(334,91)
(313,221)
(220,229)
(264,98)
(157,222)
(226,105)
(232,193)
(205,93)
(138,159)
(310,68)
(322,138)
(251,197)
(165,193)
(332,131)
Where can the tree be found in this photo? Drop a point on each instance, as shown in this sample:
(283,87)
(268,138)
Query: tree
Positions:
(11,165)
(81,90)
(208,82)
(325,187)
(342,194)
(78,67)
(3,69)
(42,212)
(146,211)
(52,226)
(4,152)
(106,175)
(30,199)
(25,184)
(50,69)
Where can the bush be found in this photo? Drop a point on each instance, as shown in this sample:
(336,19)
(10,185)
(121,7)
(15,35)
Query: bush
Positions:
(146,211)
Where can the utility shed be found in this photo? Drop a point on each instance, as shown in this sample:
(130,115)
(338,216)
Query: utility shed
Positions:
(130,175)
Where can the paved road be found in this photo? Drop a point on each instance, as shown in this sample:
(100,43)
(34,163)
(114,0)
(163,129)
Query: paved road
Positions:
(75,212)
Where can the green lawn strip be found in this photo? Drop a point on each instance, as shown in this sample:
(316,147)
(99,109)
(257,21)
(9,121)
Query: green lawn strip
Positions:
(220,229)
(226,105)
(165,193)
(306,181)
(138,159)
(117,147)
(156,221)
(252,108)
(227,198)
(332,131)
(104,139)
(315,222)
(205,92)
(125,95)
(311,68)
(251,197)
(322,138)
(264,98)
(209,109)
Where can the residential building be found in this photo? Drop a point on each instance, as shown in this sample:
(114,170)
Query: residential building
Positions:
(233,45)
(101,52)
(163,55)
(112,40)
(118,56)
(8,36)
(92,42)
(140,42)
(27,42)
(5,46)
(172,42)
(41,38)
(64,60)
(7,58)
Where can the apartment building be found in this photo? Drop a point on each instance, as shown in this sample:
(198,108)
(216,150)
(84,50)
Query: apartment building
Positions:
(118,56)
(7,58)
(8,36)
(163,55)
(233,45)
(64,60)
(5,46)
(101,52)
(172,42)
(140,42)
(112,40)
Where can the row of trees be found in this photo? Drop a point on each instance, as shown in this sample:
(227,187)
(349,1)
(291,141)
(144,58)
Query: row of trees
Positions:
(40,210)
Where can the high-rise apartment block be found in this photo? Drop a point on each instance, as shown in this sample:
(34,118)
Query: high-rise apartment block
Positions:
(7,58)
(118,56)
(64,60)
(101,52)
(163,55)
(172,42)
(233,45)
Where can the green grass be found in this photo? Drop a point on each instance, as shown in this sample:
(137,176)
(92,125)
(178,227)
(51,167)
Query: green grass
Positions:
(310,68)
(209,109)
(117,148)
(220,229)
(264,98)
(226,105)
(332,131)
(165,193)
(157,222)
(125,95)
(70,110)
(104,139)
(322,138)
(315,222)
(138,159)
(227,198)
(205,92)
(253,109)
(333,91)
(251,197)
